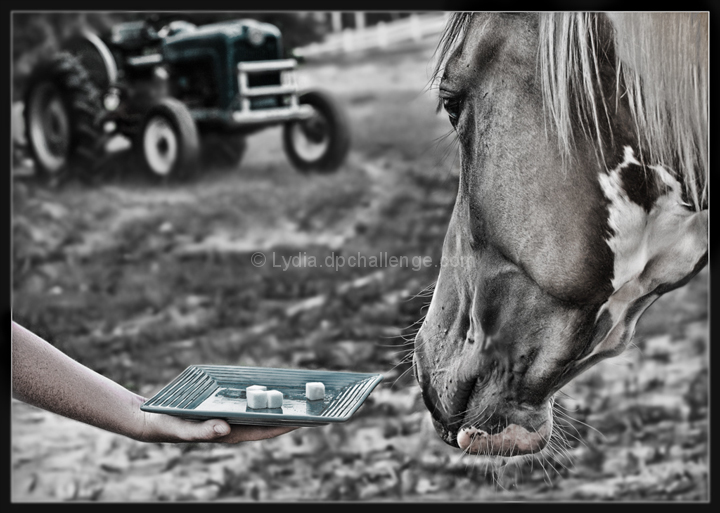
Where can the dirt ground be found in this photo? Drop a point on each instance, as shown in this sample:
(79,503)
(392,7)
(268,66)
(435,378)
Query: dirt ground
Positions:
(139,280)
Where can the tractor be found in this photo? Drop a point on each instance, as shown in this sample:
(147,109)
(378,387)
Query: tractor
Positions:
(180,93)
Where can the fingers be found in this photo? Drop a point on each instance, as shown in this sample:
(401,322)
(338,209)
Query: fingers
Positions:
(220,431)
(251,433)
(207,431)
(166,428)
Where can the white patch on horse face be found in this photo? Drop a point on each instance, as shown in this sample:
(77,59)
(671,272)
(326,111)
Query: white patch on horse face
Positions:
(650,249)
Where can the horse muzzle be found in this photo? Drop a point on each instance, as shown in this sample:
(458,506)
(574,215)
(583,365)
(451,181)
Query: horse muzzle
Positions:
(482,417)
(511,430)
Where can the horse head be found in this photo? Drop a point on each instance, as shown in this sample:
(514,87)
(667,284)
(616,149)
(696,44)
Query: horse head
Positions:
(564,228)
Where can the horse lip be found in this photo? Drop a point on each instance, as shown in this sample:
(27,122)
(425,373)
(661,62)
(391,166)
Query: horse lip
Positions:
(446,414)
(438,416)
(446,435)
(513,440)
(463,393)
(442,419)
(517,437)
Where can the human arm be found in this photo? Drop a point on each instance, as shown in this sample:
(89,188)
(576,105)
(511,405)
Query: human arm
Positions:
(45,377)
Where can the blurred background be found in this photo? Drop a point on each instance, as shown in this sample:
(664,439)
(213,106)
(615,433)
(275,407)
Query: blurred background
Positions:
(138,280)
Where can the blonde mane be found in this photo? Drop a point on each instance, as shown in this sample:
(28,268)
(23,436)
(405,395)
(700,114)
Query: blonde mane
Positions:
(662,70)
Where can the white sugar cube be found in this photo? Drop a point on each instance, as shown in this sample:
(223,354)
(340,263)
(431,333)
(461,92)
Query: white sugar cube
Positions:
(314,390)
(274,399)
(257,398)
(255,387)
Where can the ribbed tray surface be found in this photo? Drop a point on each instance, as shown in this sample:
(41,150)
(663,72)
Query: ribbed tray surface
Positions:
(218,391)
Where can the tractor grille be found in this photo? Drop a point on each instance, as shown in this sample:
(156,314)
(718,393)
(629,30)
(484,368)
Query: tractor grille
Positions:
(269,50)
(265,79)
(265,52)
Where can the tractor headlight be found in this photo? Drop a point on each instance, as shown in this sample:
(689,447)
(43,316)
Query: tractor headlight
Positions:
(161,73)
(111,100)
(255,36)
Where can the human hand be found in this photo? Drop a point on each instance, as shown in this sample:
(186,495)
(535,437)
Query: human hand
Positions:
(158,427)
(45,377)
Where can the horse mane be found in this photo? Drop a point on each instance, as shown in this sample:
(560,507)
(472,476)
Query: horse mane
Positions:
(661,61)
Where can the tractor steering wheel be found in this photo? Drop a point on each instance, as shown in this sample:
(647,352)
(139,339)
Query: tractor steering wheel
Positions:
(153,25)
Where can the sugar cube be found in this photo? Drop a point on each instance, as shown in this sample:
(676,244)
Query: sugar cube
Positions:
(256,387)
(274,399)
(314,390)
(257,398)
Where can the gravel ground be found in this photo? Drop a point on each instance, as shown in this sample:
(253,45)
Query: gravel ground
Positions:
(138,281)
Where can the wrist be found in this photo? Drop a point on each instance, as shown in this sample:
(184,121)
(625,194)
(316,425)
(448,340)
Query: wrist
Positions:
(142,428)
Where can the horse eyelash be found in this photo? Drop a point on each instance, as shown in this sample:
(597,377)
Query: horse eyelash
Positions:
(439,105)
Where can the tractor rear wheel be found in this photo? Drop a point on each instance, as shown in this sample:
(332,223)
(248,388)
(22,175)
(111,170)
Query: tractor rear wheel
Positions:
(62,108)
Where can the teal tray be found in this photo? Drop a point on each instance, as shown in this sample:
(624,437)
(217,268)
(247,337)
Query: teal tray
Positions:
(204,392)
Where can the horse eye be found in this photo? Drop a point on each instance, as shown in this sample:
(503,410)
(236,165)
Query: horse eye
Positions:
(452,107)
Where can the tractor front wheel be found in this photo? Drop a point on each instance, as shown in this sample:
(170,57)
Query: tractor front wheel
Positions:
(321,142)
(168,142)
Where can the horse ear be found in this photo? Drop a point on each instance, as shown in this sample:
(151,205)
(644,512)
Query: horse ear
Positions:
(678,247)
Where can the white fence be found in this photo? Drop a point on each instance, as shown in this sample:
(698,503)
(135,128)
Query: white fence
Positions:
(413,28)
